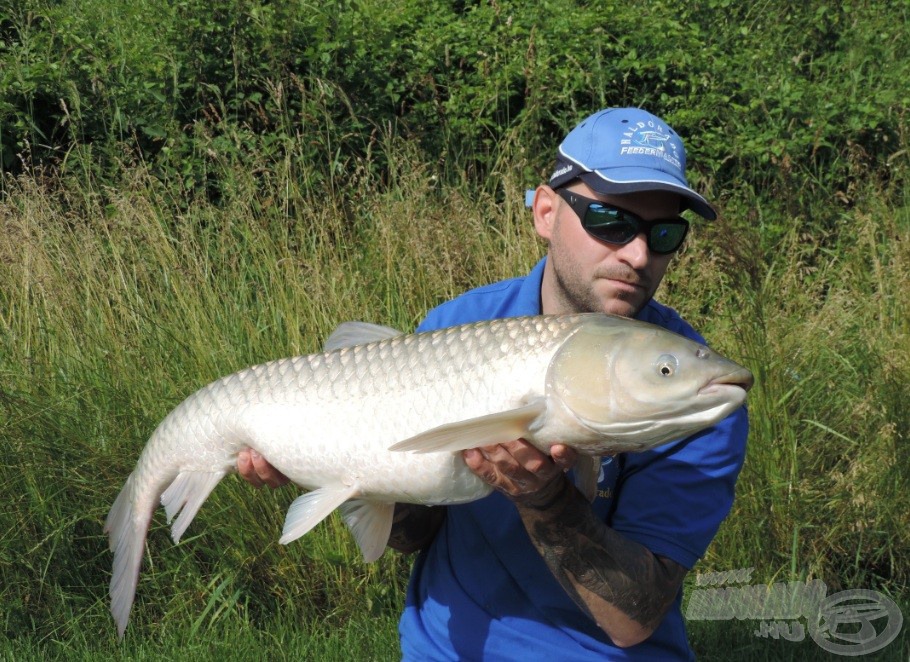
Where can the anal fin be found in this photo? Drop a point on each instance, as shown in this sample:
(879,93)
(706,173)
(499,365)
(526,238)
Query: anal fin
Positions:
(371,524)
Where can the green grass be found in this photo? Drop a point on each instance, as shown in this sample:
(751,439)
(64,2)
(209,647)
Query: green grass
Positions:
(282,637)
(117,303)
(276,207)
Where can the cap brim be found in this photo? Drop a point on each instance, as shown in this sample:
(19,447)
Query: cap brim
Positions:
(631,180)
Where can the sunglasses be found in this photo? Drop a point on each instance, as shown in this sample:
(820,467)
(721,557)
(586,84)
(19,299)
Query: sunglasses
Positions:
(617,226)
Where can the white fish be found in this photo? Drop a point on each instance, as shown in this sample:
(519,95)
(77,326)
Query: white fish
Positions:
(335,423)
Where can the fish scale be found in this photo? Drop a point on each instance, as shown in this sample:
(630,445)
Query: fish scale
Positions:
(339,423)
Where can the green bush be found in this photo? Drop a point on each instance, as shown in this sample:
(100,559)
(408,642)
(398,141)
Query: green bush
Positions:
(780,91)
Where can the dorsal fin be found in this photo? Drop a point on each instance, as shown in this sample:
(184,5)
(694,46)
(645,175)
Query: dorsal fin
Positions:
(348,334)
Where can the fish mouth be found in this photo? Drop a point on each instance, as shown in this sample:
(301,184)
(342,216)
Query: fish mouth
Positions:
(741,378)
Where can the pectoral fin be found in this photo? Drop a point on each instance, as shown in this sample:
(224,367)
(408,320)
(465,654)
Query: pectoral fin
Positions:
(313,507)
(587,471)
(371,524)
(482,431)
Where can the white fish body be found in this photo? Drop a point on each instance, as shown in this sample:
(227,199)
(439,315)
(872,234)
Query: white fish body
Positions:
(328,421)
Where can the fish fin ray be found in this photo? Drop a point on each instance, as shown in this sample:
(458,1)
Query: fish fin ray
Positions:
(126,529)
(118,517)
(311,508)
(348,334)
(474,432)
(587,471)
(371,524)
(185,495)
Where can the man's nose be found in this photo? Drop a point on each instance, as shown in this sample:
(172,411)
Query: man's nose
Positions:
(636,253)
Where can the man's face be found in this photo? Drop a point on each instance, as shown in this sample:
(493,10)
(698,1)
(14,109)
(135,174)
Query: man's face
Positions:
(586,275)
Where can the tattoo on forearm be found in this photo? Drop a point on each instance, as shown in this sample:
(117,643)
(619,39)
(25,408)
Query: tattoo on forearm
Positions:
(583,553)
(414,526)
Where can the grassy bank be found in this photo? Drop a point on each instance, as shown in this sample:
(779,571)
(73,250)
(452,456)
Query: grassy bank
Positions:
(117,303)
(237,178)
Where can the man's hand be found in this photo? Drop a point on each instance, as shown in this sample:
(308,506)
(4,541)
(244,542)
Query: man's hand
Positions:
(518,469)
(619,583)
(255,469)
(413,528)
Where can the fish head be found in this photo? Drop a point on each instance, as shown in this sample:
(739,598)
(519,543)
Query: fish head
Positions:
(634,385)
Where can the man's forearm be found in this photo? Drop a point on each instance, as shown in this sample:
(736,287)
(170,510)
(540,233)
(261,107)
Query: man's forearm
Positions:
(414,526)
(623,586)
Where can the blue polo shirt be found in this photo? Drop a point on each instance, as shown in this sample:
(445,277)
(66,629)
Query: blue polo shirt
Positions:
(481,591)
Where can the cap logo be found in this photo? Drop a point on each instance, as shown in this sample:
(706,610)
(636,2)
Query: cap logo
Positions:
(650,139)
(654,139)
(561,171)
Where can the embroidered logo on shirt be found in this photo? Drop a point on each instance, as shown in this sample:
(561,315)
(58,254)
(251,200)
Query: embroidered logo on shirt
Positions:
(606,493)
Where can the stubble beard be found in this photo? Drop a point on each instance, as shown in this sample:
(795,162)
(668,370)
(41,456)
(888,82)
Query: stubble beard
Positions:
(576,293)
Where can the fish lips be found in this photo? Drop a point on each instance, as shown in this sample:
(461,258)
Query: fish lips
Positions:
(725,385)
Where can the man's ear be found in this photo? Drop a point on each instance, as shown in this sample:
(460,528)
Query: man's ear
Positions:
(544,208)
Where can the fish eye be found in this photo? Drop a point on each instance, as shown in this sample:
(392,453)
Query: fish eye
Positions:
(667,365)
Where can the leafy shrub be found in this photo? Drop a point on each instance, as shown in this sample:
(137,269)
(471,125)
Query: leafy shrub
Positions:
(778,91)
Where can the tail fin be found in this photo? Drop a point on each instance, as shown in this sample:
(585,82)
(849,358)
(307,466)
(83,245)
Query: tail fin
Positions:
(127,524)
(127,540)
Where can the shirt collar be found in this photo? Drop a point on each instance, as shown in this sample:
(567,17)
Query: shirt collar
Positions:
(527,302)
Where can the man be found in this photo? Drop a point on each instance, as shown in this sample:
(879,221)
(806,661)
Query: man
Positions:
(535,571)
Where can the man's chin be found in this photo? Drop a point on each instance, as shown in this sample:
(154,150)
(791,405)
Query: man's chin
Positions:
(621,307)
(622,303)
(623,311)
(619,298)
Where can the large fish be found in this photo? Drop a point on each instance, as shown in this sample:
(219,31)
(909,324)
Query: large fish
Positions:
(339,423)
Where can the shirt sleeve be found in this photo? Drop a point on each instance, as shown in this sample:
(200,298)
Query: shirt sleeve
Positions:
(430,322)
(672,499)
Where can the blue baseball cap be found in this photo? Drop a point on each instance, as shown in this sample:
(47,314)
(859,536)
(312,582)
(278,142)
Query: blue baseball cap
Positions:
(623,150)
